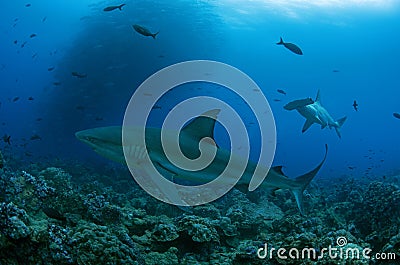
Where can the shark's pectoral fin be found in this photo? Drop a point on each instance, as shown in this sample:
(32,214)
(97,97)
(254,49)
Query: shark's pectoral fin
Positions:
(165,172)
(173,193)
(170,175)
(307,125)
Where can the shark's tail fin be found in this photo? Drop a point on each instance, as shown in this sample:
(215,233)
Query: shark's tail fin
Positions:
(303,181)
(120,6)
(340,123)
(280,42)
(155,35)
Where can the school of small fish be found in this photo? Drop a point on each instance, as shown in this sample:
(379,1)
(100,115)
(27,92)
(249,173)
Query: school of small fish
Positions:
(144,31)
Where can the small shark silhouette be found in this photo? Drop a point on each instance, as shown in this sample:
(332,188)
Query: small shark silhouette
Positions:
(314,112)
(107,141)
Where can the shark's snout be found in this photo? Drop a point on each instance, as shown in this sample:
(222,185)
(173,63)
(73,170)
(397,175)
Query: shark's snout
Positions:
(81,136)
(85,137)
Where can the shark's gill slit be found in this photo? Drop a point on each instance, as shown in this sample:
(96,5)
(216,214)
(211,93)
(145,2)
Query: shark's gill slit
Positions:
(137,152)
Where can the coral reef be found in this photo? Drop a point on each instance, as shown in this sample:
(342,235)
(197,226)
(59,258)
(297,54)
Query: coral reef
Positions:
(13,221)
(52,217)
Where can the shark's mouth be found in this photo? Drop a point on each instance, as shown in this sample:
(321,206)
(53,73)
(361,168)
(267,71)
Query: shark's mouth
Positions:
(91,138)
(95,143)
(87,139)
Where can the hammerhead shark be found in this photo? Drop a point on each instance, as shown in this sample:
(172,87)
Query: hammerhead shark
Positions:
(314,112)
(107,141)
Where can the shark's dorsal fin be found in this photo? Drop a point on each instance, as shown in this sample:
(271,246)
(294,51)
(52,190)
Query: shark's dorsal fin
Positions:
(318,98)
(278,169)
(202,126)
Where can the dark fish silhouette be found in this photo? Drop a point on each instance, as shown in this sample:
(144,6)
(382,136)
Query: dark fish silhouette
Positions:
(28,5)
(30,98)
(35,137)
(32,35)
(7,139)
(290,46)
(144,31)
(15,99)
(281,91)
(50,68)
(335,71)
(57,83)
(15,42)
(44,19)
(355,105)
(79,75)
(111,8)
(396,115)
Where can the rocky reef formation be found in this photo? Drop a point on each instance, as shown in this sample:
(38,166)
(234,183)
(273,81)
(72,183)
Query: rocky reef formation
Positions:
(52,217)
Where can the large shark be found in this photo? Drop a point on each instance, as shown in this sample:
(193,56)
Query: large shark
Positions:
(107,141)
(314,112)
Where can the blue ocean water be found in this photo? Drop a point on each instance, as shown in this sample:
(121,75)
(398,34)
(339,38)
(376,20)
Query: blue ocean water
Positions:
(350,53)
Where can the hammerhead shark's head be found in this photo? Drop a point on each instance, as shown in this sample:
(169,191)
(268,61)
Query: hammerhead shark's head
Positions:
(107,141)
(314,112)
